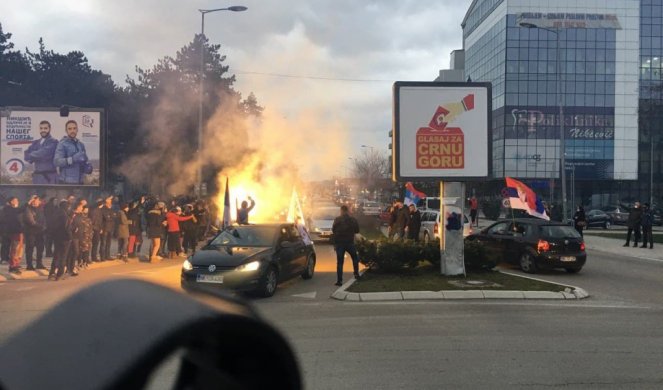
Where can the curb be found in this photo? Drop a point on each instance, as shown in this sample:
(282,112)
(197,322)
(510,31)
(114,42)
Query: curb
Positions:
(571,293)
(5,275)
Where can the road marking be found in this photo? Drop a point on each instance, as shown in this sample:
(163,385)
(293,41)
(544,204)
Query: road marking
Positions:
(310,295)
(484,302)
(24,288)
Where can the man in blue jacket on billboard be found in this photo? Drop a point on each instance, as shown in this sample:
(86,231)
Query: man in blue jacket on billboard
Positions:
(70,157)
(41,153)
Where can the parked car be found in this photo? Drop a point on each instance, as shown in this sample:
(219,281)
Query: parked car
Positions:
(598,218)
(321,221)
(618,213)
(369,208)
(251,258)
(533,244)
(430,223)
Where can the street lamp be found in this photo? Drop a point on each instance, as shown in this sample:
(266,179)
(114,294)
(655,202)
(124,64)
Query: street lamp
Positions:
(562,147)
(203,12)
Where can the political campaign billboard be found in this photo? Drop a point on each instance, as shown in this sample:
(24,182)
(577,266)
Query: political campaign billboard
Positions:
(41,147)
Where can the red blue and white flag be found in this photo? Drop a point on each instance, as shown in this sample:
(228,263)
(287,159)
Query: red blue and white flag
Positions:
(226,206)
(522,197)
(412,195)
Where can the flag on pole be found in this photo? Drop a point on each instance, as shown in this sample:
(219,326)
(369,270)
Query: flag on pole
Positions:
(295,210)
(412,195)
(522,197)
(226,206)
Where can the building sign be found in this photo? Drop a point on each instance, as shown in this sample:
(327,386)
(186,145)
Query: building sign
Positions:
(42,148)
(556,20)
(531,144)
(441,130)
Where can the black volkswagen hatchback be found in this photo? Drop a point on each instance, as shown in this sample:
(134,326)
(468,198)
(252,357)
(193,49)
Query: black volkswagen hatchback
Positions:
(534,244)
(252,258)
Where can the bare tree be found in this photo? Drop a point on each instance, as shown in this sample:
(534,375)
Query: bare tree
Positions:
(370,168)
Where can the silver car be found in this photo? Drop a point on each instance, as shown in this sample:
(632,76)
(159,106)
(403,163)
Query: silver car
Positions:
(321,221)
(430,223)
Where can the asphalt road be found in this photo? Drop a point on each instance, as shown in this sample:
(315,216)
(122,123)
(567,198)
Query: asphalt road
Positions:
(613,339)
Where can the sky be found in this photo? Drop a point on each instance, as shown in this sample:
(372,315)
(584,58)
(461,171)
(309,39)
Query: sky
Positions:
(340,57)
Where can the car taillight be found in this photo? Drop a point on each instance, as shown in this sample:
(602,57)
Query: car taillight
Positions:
(582,246)
(543,246)
(435,228)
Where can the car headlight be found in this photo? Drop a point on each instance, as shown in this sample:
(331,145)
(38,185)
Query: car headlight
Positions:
(316,229)
(187,266)
(252,266)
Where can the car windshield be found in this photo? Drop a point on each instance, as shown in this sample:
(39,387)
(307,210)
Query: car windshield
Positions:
(245,236)
(327,213)
(559,231)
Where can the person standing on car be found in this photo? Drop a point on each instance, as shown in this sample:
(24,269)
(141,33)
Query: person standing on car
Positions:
(647,222)
(243,213)
(344,229)
(580,219)
(414,224)
(633,224)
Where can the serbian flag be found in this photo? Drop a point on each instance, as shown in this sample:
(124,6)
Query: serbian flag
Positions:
(412,195)
(226,206)
(522,197)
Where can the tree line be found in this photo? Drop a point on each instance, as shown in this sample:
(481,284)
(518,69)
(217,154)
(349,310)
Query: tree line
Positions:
(46,78)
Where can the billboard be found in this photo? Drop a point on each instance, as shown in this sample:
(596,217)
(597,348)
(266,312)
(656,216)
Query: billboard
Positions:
(441,131)
(568,20)
(38,147)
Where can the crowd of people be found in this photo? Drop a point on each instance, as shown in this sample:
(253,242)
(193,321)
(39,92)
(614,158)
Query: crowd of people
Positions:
(75,233)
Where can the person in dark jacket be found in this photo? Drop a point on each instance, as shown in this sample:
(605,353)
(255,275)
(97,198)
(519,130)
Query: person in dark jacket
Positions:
(62,241)
(34,227)
(123,224)
(344,229)
(49,210)
(41,153)
(402,220)
(633,224)
(97,227)
(11,217)
(189,230)
(156,221)
(647,222)
(107,228)
(135,228)
(414,224)
(77,234)
(202,216)
(580,219)
(6,242)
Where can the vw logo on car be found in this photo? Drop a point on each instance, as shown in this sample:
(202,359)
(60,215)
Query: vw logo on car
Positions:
(212,268)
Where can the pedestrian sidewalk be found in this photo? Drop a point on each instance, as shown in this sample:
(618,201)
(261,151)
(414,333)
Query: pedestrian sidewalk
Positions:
(615,246)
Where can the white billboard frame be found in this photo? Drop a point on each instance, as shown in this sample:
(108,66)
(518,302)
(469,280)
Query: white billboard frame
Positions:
(421,152)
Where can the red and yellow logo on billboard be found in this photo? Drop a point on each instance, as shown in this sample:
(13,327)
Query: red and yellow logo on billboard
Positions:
(439,146)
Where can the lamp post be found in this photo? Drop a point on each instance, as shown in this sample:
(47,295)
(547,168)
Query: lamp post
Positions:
(562,142)
(203,12)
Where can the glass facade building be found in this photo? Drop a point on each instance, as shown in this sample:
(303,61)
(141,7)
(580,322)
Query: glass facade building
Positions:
(610,56)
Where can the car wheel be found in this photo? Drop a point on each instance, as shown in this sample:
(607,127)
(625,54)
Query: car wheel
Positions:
(607,225)
(310,268)
(573,270)
(527,263)
(426,238)
(268,283)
